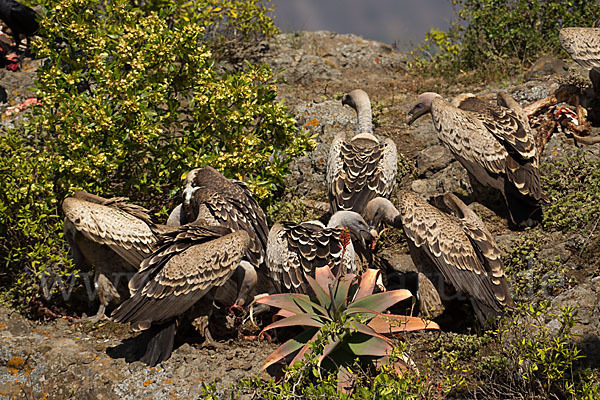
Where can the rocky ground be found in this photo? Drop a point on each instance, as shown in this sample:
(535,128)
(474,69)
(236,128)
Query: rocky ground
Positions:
(64,360)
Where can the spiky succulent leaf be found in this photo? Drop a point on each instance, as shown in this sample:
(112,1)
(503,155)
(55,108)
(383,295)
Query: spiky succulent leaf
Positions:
(366,345)
(322,295)
(334,341)
(300,355)
(390,323)
(296,303)
(341,290)
(324,277)
(284,313)
(313,320)
(367,284)
(381,301)
(290,347)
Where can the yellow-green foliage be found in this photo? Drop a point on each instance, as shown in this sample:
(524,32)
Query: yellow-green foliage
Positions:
(129,104)
(494,34)
(223,20)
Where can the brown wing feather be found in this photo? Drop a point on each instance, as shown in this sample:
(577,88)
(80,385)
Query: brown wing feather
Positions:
(505,124)
(230,204)
(467,138)
(188,264)
(582,44)
(449,247)
(363,176)
(297,249)
(129,236)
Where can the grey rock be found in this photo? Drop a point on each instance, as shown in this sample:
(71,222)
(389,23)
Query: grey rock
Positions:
(545,66)
(433,159)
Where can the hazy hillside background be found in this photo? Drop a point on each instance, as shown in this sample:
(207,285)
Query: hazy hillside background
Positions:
(401,21)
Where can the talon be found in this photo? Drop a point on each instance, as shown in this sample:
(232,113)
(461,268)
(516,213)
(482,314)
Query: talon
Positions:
(235,307)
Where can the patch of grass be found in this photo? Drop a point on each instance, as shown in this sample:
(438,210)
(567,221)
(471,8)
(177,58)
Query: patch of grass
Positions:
(531,277)
(573,186)
(297,209)
(521,358)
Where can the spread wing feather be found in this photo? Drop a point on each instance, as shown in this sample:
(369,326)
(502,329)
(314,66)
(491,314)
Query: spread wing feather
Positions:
(112,224)
(188,263)
(297,249)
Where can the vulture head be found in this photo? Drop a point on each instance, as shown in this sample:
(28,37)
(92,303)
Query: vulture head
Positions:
(357,99)
(380,211)
(422,107)
(359,230)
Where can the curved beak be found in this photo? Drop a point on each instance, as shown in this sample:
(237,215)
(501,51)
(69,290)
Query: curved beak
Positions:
(413,115)
(374,240)
(346,100)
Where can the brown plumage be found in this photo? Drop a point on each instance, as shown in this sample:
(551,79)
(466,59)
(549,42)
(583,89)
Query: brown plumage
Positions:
(494,144)
(456,249)
(362,168)
(210,197)
(187,264)
(216,200)
(583,45)
(297,249)
(110,235)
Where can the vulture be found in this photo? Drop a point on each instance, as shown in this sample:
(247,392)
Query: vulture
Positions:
(294,250)
(583,45)
(455,250)
(361,168)
(111,235)
(189,263)
(210,197)
(495,145)
(21,20)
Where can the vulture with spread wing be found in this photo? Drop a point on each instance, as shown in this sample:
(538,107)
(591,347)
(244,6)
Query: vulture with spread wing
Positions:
(113,237)
(210,197)
(495,145)
(456,250)
(297,249)
(361,168)
(189,263)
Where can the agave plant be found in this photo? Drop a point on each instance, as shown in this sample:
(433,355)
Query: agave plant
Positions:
(344,311)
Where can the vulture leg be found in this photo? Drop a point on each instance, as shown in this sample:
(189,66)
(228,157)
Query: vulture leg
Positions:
(595,78)
(160,345)
(255,309)
(201,325)
(106,294)
(430,304)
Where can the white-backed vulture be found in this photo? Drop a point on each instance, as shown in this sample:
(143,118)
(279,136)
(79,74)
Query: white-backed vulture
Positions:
(210,197)
(188,263)
(297,249)
(457,250)
(361,168)
(494,144)
(110,235)
(583,45)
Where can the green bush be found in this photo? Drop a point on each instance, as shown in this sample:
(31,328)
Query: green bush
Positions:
(492,35)
(233,22)
(522,358)
(128,105)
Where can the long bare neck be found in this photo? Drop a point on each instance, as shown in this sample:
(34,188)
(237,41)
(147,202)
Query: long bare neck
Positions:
(364,117)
